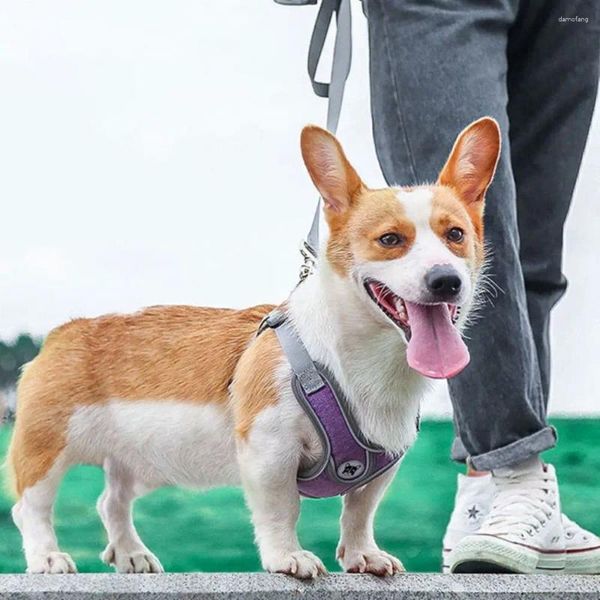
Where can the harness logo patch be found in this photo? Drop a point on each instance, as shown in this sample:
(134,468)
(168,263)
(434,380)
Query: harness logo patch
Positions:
(351,469)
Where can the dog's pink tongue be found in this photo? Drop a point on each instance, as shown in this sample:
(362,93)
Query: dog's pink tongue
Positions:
(436,348)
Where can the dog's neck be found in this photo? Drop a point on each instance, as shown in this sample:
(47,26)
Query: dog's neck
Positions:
(366,356)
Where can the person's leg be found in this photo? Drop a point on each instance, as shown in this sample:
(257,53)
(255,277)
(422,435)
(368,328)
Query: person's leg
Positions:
(552,84)
(435,67)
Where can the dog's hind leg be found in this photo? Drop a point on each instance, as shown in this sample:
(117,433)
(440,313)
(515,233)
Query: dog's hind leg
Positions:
(125,550)
(357,551)
(32,514)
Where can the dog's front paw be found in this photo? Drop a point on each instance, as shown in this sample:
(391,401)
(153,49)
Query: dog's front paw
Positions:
(137,561)
(52,562)
(371,560)
(301,564)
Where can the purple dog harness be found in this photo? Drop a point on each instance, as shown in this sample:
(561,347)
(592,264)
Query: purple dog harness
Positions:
(348,460)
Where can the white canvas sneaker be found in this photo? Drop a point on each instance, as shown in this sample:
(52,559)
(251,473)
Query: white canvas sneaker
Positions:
(523,531)
(473,503)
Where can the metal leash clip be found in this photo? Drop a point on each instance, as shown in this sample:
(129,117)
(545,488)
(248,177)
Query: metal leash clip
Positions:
(309,260)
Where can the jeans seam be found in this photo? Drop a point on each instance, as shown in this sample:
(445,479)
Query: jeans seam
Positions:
(396,92)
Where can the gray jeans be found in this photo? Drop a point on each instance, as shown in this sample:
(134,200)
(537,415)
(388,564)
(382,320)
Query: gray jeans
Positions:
(436,65)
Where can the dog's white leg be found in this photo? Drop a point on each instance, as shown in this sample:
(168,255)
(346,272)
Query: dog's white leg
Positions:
(357,551)
(269,482)
(32,514)
(125,550)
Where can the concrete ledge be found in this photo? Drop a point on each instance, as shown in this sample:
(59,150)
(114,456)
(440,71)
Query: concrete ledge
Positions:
(259,586)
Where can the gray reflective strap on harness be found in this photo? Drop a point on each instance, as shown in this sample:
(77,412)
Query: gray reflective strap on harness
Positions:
(334,90)
(295,351)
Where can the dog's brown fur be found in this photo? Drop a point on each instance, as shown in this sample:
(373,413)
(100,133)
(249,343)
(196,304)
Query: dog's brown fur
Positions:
(179,353)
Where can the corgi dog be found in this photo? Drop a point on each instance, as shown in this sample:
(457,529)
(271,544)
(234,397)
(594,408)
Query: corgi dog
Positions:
(189,396)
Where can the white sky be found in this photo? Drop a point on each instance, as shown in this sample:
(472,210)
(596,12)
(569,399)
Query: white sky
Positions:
(150,155)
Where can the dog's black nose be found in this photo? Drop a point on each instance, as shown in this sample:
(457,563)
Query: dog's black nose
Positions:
(443,282)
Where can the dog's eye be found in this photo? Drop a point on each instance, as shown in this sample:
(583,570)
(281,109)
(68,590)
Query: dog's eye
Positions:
(391,239)
(456,235)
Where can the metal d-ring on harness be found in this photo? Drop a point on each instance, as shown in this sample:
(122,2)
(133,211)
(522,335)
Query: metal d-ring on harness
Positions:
(348,461)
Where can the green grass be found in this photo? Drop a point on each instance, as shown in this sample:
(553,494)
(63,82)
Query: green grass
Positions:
(211,531)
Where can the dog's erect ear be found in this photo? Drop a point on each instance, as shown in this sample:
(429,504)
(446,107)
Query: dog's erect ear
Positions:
(328,167)
(471,165)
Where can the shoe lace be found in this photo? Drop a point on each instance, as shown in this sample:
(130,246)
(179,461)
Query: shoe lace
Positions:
(524,502)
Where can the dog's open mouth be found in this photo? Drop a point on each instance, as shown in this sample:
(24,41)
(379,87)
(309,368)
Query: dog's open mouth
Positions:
(394,307)
(435,347)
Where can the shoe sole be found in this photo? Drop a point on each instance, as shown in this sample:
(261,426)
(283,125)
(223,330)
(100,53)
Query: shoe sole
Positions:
(480,566)
(583,562)
(488,554)
(576,563)
(472,566)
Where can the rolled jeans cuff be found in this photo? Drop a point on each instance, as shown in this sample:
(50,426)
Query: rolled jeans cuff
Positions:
(511,454)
